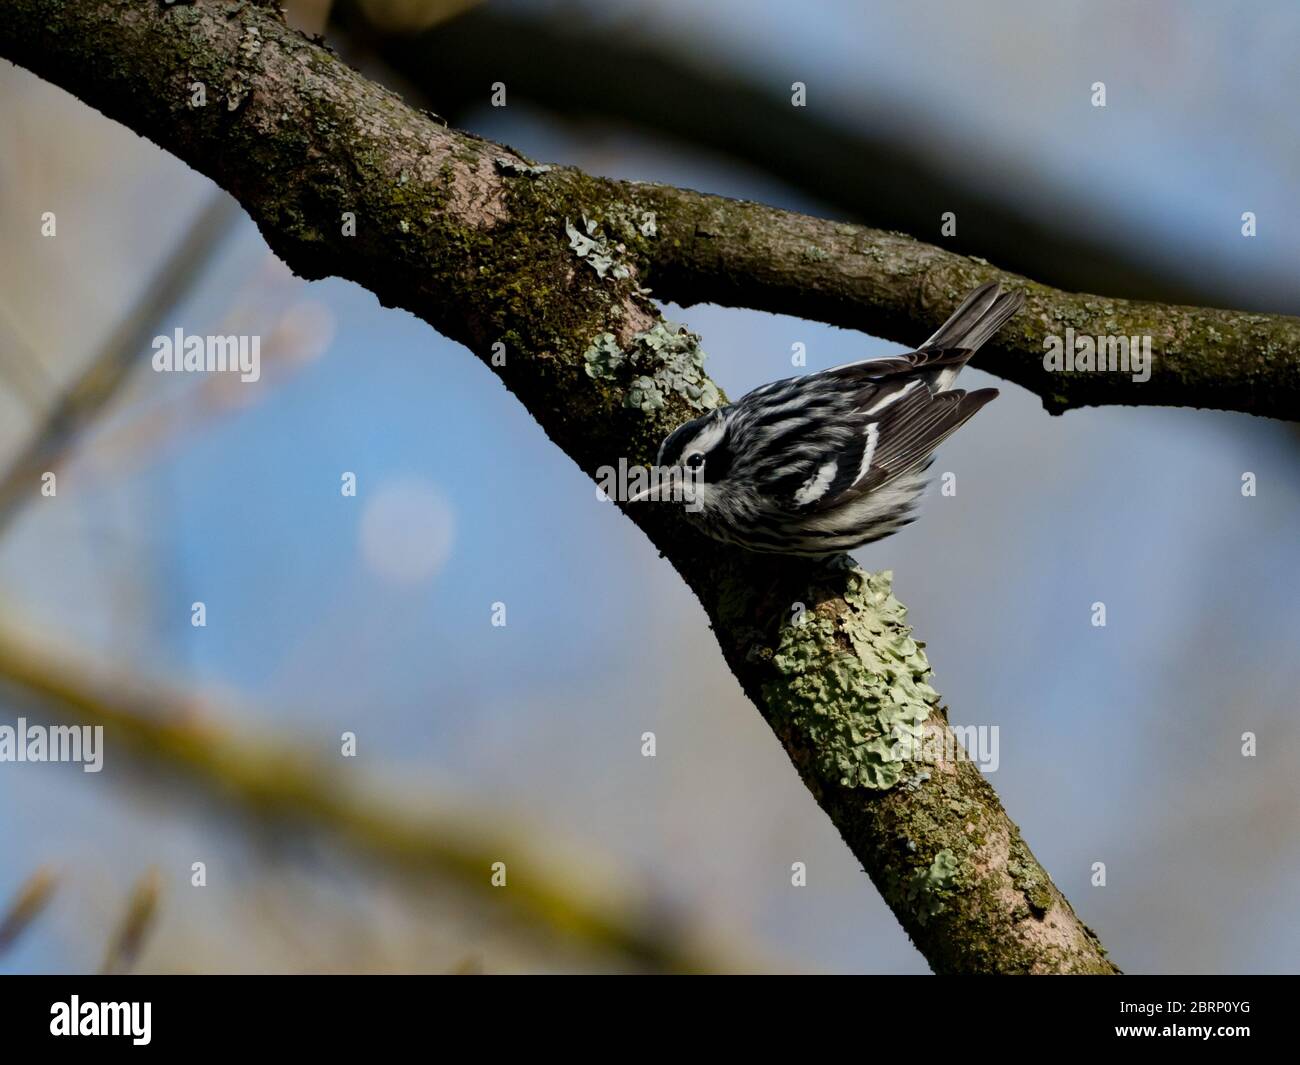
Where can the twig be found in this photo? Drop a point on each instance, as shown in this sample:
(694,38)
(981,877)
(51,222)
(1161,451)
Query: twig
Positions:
(141,914)
(82,401)
(31,899)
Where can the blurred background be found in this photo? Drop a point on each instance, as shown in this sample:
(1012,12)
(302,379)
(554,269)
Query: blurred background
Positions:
(522,743)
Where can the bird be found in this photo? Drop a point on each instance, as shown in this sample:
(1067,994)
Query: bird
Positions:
(829,461)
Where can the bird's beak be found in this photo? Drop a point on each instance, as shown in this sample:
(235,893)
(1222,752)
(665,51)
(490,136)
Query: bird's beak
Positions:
(665,483)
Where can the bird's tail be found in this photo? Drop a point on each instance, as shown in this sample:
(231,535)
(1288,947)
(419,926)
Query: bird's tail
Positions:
(981,314)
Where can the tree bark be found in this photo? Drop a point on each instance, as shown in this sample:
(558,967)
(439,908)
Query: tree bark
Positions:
(491,251)
(871,175)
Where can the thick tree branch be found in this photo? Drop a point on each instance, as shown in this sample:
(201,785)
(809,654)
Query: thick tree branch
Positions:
(870,174)
(889,285)
(880,282)
(458,231)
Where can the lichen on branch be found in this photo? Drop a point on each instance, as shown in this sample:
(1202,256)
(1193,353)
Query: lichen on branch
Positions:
(666,358)
(855,682)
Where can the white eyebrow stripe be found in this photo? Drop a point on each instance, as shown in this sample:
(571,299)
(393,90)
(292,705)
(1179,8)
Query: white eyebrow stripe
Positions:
(706,439)
(873,435)
(815,487)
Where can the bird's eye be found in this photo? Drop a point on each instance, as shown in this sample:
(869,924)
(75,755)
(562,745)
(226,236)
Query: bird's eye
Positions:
(695,460)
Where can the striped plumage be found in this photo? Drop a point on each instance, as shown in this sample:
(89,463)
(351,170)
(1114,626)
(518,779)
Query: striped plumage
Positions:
(818,464)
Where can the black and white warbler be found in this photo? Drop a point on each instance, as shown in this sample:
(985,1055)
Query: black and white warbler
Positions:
(819,464)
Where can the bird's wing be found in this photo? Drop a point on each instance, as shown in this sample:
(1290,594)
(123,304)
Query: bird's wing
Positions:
(890,429)
(857,427)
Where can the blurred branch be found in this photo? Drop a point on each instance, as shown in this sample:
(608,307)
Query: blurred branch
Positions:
(140,916)
(278,782)
(96,385)
(301,140)
(32,898)
(613,69)
(21,365)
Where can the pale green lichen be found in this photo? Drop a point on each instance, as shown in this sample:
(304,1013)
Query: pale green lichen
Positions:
(667,359)
(855,684)
(914,782)
(593,247)
(927,887)
(679,363)
(1030,880)
(925,890)
(629,221)
(644,395)
(251,45)
(604,357)
(506,165)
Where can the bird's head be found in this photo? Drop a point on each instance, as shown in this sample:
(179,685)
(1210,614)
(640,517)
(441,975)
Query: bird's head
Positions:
(693,460)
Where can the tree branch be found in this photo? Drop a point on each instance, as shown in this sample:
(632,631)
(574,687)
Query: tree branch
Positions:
(870,174)
(880,282)
(458,231)
(889,285)
(277,782)
(94,387)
